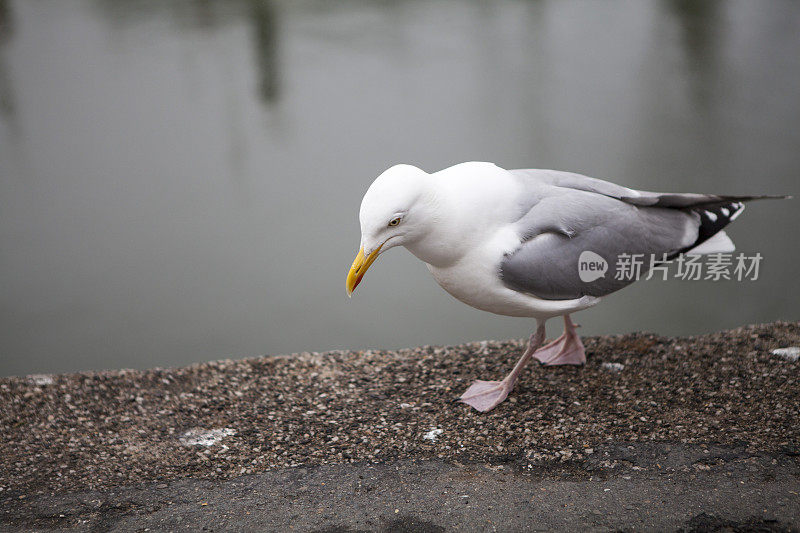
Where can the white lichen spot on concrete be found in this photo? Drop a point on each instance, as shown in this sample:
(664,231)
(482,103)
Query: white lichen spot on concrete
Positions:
(613,367)
(432,434)
(41,379)
(205,437)
(792,353)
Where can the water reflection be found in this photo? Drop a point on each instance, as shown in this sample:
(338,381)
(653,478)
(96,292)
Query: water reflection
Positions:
(6,31)
(193,169)
(699,22)
(265,38)
(211,15)
(5,21)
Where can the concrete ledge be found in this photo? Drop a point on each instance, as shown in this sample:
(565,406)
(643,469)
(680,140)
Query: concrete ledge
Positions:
(622,487)
(697,432)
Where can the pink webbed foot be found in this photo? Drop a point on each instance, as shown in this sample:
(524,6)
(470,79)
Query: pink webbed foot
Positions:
(486,395)
(571,353)
(549,351)
(566,350)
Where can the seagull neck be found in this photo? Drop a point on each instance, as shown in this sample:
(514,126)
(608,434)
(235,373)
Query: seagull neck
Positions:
(433,253)
(446,229)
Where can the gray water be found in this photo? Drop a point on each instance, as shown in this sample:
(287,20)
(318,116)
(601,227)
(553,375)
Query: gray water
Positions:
(180,180)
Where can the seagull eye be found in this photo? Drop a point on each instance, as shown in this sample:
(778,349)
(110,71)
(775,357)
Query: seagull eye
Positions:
(395,221)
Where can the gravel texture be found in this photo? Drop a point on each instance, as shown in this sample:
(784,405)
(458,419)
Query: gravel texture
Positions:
(95,430)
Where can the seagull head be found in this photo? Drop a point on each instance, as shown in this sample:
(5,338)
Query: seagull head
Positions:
(393,213)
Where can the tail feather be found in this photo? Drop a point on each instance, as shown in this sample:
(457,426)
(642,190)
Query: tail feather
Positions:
(718,243)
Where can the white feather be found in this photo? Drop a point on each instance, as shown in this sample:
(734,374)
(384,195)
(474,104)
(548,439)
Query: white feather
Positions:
(720,243)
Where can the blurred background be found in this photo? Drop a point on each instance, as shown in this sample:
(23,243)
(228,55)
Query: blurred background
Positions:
(180,180)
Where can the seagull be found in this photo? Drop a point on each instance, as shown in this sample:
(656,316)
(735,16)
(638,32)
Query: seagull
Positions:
(532,243)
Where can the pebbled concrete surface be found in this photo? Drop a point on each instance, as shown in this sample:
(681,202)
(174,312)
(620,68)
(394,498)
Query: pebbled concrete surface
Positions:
(654,433)
(652,487)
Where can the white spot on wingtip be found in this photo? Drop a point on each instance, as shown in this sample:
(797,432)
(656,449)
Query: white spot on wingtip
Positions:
(712,216)
(725,211)
(737,212)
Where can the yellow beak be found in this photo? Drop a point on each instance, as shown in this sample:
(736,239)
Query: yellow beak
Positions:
(359,268)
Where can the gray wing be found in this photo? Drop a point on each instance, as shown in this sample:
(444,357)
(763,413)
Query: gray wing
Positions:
(536,177)
(569,214)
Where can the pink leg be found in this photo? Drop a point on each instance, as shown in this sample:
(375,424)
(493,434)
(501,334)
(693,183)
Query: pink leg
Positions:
(486,395)
(566,350)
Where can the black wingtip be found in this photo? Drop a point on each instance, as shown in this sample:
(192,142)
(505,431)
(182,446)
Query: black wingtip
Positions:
(714,218)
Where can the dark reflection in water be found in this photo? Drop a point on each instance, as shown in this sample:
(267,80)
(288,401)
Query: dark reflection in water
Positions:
(698,22)
(5,21)
(180,181)
(265,25)
(210,14)
(6,28)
